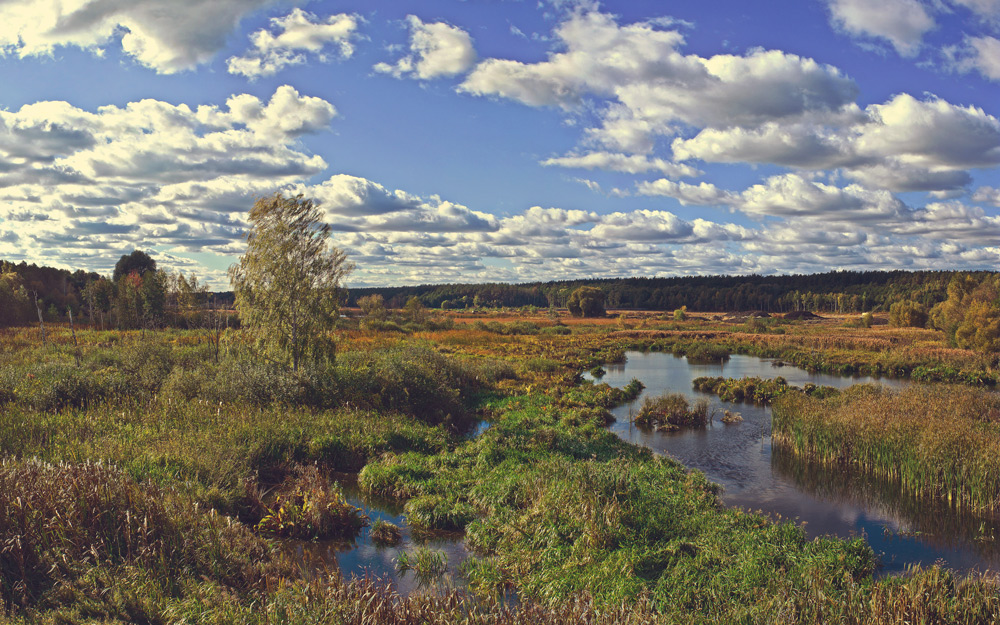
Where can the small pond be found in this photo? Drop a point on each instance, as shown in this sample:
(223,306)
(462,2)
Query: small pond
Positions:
(902,530)
(362,556)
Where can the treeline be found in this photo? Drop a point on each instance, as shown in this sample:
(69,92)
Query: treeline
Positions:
(138,295)
(836,291)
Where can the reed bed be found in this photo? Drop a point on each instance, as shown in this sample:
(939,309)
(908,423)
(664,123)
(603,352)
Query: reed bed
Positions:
(935,441)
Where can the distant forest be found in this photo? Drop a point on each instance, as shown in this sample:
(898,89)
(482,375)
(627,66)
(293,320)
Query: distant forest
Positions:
(59,291)
(835,291)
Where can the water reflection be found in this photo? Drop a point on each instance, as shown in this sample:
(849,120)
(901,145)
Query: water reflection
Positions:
(363,557)
(904,530)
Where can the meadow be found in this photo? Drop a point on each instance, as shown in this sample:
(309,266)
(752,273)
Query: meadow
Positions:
(147,477)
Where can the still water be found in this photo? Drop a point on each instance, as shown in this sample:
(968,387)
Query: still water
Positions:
(362,557)
(903,530)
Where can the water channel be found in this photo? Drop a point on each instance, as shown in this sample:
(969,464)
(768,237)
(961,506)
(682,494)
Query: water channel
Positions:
(902,530)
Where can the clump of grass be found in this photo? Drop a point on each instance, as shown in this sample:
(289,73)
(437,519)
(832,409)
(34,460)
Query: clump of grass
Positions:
(385,533)
(757,390)
(598,372)
(439,512)
(671,411)
(308,506)
(59,521)
(702,352)
(426,564)
(731,417)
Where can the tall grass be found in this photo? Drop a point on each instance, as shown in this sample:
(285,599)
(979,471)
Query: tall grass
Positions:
(934,441)
(59,520)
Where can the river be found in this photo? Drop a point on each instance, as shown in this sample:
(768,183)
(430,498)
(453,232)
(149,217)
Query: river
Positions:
(903,530)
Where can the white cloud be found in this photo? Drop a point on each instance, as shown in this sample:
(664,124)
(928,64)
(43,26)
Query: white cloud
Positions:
(904,144)
(165,35)
(987,195)
(795,196)
(703,194)
(931,133)
(436,49)
(627,163)
(980,54)
(294,35)
(795,145)
(653,89)
(149,174)
(987,9)
(902,23)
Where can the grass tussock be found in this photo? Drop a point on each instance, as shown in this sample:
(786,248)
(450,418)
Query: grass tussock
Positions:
(60,521)
(761,391)
(308,505)
(671,411)
(385,533)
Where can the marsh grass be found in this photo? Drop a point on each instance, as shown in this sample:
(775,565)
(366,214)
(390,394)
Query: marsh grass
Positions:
(585,527)
(384,533)
(671,411)
(936,441)
(427,564)
(762,391)
(59,521)
(308,505)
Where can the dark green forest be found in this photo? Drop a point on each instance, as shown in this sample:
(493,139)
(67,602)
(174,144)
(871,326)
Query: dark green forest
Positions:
(836,291)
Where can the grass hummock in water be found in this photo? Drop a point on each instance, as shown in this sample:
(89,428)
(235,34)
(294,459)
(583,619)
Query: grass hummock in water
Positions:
(309,506)
(671,411)
(384,533)
(757,390)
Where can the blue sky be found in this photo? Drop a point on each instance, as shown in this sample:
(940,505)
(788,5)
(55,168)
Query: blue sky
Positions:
(506,140)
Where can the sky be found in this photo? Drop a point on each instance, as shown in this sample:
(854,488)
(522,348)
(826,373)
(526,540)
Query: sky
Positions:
(506,140)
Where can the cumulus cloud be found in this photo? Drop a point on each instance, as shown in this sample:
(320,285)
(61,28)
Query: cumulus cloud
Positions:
(165,35)
(436,49)
(703,194)
(627,163)
(149,173)
(987,195)
(793,195)
(902,23)
(291,38)
(904,144)
(794,145)
(979,54)
(655,86)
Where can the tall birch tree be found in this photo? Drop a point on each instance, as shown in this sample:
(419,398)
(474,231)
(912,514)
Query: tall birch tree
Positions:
(288,283)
